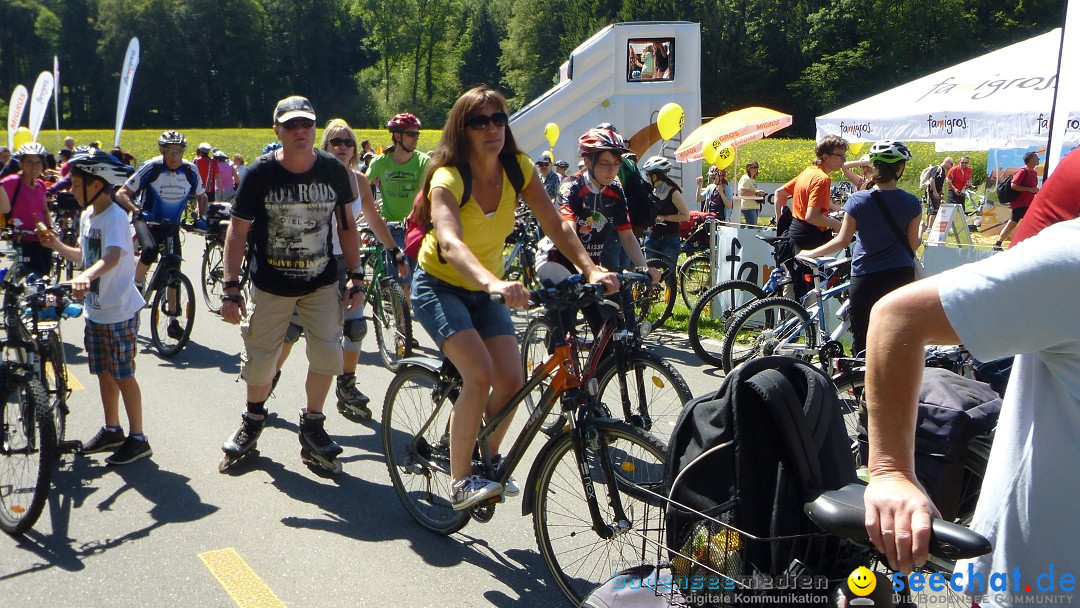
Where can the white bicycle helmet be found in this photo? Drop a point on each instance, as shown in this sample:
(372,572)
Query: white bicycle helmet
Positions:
(103,165)
(656,164)
(31,148)
(174,138)
(203,147)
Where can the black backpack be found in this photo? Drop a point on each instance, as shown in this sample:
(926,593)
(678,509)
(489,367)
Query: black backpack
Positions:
(749,455)
(1005,192)
(641,203)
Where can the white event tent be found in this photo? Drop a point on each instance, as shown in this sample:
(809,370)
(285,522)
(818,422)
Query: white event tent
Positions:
(999,100)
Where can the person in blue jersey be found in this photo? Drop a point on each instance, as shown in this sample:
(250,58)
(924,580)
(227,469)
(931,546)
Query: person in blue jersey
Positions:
(158,192)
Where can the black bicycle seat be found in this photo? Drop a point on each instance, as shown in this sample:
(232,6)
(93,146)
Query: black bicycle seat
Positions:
(772,240)
(842,513)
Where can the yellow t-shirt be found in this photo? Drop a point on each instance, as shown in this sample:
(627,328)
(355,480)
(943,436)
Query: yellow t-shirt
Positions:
(483,235)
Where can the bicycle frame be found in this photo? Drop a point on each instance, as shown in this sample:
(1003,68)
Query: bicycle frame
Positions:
(169,261)
(578,402)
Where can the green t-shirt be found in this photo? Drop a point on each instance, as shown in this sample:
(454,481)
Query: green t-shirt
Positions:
(398,183)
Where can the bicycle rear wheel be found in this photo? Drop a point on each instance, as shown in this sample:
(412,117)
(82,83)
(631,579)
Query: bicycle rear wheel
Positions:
(27,453)
(171,324)
(712,314)
(577,557)
(652,385)
(694,276)
(212,276)
(773,326)
(418,458)
(393,323)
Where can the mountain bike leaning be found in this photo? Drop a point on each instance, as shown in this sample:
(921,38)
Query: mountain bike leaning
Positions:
(583,488)
(32,421)
(211,279)
(389,310)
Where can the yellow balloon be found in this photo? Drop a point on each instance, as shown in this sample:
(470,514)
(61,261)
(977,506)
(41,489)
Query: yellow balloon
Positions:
(670,120)
(22,136)
(856,147)
(724,157)
(709,149)
(551,132)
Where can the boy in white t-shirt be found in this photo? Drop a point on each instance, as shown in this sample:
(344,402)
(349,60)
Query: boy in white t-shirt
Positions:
(111,301)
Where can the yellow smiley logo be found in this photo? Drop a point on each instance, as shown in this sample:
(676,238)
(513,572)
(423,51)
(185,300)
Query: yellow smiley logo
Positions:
(862,581)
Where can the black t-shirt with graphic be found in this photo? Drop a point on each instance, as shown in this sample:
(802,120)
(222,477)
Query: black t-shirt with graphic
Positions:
(594,211)
(290,231)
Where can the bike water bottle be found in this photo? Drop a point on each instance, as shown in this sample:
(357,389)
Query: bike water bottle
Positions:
(72,310)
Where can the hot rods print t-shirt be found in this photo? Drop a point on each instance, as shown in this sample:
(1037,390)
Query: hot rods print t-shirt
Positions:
(291,222)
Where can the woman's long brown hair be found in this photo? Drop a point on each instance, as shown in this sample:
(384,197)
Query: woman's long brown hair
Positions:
(453,149)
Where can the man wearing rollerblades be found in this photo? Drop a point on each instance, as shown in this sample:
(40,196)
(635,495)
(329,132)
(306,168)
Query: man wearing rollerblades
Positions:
(284,208)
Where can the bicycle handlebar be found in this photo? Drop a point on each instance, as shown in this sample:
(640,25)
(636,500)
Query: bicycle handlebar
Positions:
(573,292)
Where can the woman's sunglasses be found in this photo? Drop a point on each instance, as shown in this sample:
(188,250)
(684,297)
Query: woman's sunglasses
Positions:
(481,121)
(338,141)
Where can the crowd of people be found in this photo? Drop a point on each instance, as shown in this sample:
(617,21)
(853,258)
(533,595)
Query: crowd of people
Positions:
(296,207)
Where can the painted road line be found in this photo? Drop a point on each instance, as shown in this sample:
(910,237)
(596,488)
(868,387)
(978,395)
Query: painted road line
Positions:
(239,580)
(73,382)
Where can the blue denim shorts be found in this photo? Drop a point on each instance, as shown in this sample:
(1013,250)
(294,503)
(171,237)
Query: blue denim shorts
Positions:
(444,309)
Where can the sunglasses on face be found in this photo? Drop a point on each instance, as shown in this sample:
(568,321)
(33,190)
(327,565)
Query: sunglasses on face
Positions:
(414,134)
(298,123)
(174,151)
(481,121)
(339,141)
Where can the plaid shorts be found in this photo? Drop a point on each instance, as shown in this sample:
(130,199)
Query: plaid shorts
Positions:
(111,347)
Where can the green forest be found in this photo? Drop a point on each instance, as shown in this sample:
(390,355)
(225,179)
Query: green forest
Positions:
(223,63)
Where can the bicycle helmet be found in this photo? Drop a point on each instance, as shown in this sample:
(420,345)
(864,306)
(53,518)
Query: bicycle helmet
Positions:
(174,138)
(656,164)
(270,147)
(713,172)
(889,151)
(31,148)
(608,126)
(562,163)
(221,155)
(598,140)
(403,121)
(103,165)
(203,147)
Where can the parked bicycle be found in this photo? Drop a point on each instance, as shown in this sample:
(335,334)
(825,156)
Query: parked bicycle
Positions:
(520,252)
(33,417)
(66,213)
(583,488)
(171,297)
(717,307)
(781,326)
(632,381)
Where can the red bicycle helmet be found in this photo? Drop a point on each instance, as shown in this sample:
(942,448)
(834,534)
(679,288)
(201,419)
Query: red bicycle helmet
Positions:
(598,140)
(402,122)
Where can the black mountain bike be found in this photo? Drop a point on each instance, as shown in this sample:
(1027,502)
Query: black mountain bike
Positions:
(171,297)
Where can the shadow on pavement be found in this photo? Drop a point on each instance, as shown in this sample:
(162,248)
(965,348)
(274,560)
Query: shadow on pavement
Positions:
(173,499)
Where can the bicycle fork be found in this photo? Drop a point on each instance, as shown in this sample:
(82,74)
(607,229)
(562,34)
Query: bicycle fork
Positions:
(586,442)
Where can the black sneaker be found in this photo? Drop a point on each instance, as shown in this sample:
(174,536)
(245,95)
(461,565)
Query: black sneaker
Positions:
(175,330)
(104,441)
(132,450)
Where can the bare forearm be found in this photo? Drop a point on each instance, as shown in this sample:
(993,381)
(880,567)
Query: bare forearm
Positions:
(235,247)
(123,198)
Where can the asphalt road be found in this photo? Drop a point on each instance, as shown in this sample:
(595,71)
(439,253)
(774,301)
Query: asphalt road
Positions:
(172,531)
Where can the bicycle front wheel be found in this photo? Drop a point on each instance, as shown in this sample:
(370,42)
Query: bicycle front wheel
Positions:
(27,454)
(773,326)
(654,390)
(694,276)
(172,316)
(55,381)
(712,314)
(212,276)
(654,303)
(851,389)
(577,557)
(415,433)
(393,323)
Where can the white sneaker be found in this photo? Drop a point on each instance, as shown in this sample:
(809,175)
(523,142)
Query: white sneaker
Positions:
(472,490)
(510,488)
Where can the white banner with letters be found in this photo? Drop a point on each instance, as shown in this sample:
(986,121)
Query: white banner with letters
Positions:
(16,108)
(127,80)
(39,102)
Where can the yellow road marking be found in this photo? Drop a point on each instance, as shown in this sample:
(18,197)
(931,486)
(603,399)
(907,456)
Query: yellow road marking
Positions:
(73,382)
(239,580)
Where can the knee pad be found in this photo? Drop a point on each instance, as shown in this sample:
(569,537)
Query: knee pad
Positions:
(149,255)
(355,329)
(293,333)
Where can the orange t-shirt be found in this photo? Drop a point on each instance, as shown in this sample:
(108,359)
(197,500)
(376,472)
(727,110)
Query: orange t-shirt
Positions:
(810,189)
